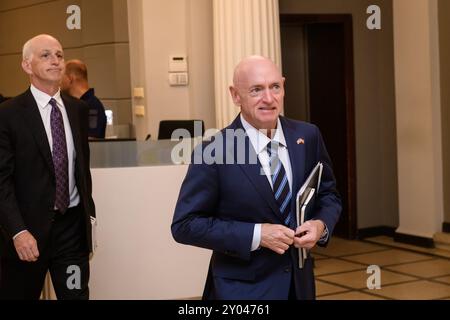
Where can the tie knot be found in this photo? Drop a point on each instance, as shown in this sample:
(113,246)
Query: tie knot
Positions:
(272,147)
(53,102)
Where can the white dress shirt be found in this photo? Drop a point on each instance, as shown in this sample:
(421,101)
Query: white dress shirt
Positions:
(259,142)
(42,100)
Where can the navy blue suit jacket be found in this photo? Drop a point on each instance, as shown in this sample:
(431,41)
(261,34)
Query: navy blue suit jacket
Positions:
(97,116)
(219,205)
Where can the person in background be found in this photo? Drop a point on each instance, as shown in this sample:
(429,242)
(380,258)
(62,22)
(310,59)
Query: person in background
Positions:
(75,83)
(46,200)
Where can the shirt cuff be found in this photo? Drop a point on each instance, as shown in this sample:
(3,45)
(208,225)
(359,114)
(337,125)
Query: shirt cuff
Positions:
(325,235)
(256,237)
(18,233)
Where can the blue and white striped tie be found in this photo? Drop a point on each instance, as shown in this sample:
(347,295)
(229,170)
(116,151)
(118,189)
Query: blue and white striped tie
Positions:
(280,184)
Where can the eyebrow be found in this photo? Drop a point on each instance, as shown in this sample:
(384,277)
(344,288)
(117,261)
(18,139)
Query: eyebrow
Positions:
(49,51)
(262,85)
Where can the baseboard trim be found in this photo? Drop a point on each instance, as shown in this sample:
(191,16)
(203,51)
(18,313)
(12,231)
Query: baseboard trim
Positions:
(414,240)
(375,232)
(446,227)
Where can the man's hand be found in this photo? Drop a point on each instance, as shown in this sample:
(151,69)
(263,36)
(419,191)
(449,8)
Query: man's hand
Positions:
(308,234)
(26,247)
(276,237)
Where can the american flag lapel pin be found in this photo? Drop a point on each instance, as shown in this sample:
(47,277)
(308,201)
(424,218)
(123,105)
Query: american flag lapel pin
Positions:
(300,141)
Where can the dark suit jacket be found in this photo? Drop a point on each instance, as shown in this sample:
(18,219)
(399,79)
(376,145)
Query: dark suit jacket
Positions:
(97,116)
(27,179)
(219,205)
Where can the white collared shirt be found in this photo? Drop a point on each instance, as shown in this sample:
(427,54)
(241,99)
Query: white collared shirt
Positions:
(42,100)
(259,142)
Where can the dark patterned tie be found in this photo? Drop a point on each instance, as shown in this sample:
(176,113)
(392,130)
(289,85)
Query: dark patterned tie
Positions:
(281,189)
(60,159)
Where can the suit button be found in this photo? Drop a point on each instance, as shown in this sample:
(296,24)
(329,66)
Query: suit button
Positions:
(287,270)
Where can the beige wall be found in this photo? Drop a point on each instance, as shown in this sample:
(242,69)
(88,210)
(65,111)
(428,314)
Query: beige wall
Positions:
(159,29)
(444,29)
(418,110)
(376,169)
(102,43)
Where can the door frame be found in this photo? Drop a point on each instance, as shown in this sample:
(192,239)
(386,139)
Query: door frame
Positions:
(347,21)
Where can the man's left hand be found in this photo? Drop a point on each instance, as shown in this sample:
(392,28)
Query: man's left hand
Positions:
(308,234)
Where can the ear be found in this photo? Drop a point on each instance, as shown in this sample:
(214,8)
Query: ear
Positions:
(71,78)
(26,66)
(235,96)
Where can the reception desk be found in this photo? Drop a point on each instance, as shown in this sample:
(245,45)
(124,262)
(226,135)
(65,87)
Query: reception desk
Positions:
(135,189)
(137,257)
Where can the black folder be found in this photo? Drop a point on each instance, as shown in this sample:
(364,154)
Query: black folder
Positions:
(305,203)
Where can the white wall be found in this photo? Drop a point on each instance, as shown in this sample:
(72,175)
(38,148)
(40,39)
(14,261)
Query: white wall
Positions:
(418,101)
(137,257)
(159,29)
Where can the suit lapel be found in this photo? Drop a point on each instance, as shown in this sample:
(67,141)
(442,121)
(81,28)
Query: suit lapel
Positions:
(259,181)
(73,115)
(254,171)
(35,124)
(297,158)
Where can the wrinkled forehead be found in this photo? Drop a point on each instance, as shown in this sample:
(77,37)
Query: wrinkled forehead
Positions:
(47,45)
(258,73)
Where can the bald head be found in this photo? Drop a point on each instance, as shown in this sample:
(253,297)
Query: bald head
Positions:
(249,65)
(77,69)
(43,61)
(258,89)
(75,78)
(30,47)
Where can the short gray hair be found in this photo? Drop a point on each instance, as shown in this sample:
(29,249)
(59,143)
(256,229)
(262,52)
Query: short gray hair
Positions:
(27,50)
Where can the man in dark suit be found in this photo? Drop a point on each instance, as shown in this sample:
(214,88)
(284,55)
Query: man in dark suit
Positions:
(75,83)
(45,183)
(238,199)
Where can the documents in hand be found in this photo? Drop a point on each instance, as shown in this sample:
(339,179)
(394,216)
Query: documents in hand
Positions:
(305,203)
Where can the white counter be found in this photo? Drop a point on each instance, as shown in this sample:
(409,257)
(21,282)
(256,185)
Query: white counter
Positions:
(137,257)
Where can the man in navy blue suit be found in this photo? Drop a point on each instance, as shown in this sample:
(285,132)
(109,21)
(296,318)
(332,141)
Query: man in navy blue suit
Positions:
(241,205)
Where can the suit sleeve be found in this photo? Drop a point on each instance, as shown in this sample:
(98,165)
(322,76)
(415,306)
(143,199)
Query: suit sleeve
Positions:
(195,221)
(87,156)
(11,219)
(329,205)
